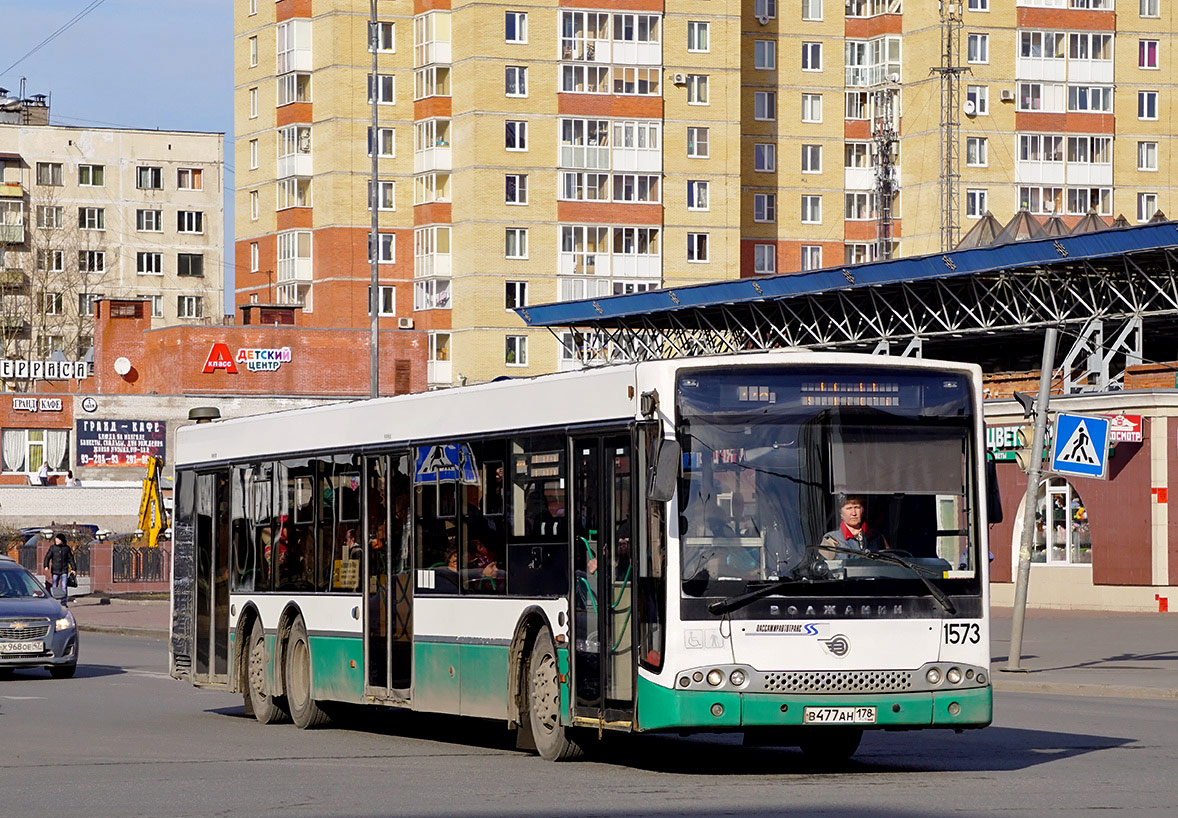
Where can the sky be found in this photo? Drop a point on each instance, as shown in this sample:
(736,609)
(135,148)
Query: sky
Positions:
(164,64)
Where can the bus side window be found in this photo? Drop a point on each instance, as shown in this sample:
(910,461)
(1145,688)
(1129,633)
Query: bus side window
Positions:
(538,533)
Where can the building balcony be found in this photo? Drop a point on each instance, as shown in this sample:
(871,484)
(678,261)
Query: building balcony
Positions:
(439,372)
(859,178)
(12,234)
(584,264)
(13,279)
(1036,173)
(295,270)
(432,265)
(12,190)
(1090,71)
(298,164)
(1037,68)
(1090,175)
(434,158)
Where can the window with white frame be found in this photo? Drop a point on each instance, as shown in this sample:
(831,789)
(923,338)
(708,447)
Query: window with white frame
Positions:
(636,187)
(87,302)
(1090,150)
(516,189)
(811,159)
(811,107)
(386,89)
(149,221)
(977,151)
(697,89)
(254,257)
(190,306)
(515,81)
(811,257)
(1081,200)
(292,44)
(190,221)
(386,300)
(697,143)
(1147,155)
(149,264)
(189,179)
(52,303)
(149,178)
(50,261)
(386,142)
(765,8)
(515,294)
(1147,205)
(764,55)
(811,56)
(698,32)
(50,217)
(515,242)
(1040,199)
(50,173)
(291,88)
(764,258)
(386,247)
(859,252)
(764,157)
(975,203)
(254,205)
(91,175)
(697,247)
(584,187)
(1149,8)
(1090,45)
(697,194)
(978,5)
(857,206)
(765,105)
(1147,54)
(811,210)
(385,194)
(91,261)
(515,135)
(515,26)
(383,35)
(516,350)
(979,95)
(253,154)
(637,81)
(764,207)
(293,191)
(92,218)
(977,48)
(253,7)
(190,265)
(1147,105)
(253,52)
(1096,99)
(856,155)
(594,79)
(811,9)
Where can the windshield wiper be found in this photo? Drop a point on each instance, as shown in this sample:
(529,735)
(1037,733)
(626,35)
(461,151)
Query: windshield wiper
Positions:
(811,569)
(921,573)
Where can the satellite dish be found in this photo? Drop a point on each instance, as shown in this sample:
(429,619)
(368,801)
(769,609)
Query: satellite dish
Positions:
(122,366)
(969,107)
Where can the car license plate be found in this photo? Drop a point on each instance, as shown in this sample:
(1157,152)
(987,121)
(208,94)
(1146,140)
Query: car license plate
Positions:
(22,647)
(838,715)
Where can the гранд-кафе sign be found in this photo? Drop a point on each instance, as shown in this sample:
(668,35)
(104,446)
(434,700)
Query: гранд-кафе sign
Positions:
(120,442)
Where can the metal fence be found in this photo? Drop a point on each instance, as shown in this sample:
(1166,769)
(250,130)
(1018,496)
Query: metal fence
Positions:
(82,558)
(26,555)
(138,563)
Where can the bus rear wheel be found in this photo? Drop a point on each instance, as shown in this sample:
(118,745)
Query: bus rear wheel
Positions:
(266,708)
(304,711)
(831,745)
(552,740)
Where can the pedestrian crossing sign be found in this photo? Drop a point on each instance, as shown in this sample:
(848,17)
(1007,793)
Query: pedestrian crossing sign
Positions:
(1081,446)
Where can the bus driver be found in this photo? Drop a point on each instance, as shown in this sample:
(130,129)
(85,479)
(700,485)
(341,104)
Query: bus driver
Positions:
(853,531)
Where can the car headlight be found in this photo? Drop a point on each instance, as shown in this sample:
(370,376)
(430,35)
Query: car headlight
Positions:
(65,623)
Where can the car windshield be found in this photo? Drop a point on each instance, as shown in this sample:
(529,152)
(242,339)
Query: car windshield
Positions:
(16,582)
(785,471)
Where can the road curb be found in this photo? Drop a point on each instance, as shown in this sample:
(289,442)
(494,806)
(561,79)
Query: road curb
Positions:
(1091,690)
(114,629)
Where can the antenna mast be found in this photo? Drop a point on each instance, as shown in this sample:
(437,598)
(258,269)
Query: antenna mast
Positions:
(950,72)
(883,133)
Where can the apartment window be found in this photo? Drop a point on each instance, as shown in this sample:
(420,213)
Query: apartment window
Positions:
(386,244)
(978,5)
(149,264)
(293,87)
(253,46)
(386,89)
(1091,99)
(594,79)
(1147,155)
(697,36)
(515,27)
(190,264)
(515,242)
(1090,46)
(92,218)
(979,95)
(515,81)
(516,351)
(697,247)
(978,48)
(515,294)
(764,258)
(975,203)
(697,143)
(1149,8)
(149,178)
(253,205)
(811,210)
(811,257)
(1147,104)
(765,8)
(386,300)
(86,302)
(516,189)
(977,151)
(253,7)
(50,217)
(1147,205)
(764,55)
(52,303)
(856,155)
(811,9)
(190,179)
(432,81)
(811,56)
(1147,54)
(254,257)
(697,195)
(385,195)
(190,221)
(91,261)
(764,207)
(765,105)
(811,107)
(51,261)
(149,221)
(384,35)
(253,100)
(811,159)
(50,173)
(253,154)
(157,304)
(857,206)
(697,89)
(91,175)
(515,135)
(386,142)
(764,157)
(190,306)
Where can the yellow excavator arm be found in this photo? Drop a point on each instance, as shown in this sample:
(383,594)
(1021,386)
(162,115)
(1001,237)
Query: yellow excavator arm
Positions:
(153,517)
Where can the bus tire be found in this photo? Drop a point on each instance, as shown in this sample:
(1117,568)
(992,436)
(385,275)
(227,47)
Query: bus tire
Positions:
(831,745)
(551,737)
(265,708)
(304,711)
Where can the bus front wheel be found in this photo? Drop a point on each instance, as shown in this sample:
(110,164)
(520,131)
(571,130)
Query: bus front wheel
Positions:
(304,711)
(266,708)
(831,745)
(551,737)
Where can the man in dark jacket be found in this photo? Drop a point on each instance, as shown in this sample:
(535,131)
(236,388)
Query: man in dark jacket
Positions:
(59,559)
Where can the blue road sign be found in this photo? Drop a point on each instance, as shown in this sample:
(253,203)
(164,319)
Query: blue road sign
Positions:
(445,463)
(1081,446)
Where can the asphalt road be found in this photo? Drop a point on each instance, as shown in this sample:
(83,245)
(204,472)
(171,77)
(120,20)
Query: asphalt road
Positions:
(122,739)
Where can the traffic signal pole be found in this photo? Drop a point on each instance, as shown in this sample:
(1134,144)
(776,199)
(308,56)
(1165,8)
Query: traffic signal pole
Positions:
(1030,500)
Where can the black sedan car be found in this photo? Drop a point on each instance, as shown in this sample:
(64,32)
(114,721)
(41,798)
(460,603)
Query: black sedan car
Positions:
(36,629)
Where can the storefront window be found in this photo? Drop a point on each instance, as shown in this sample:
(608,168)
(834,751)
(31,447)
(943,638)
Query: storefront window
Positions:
(1061,525)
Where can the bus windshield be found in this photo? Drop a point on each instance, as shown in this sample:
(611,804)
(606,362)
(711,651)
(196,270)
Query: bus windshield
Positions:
(797,476)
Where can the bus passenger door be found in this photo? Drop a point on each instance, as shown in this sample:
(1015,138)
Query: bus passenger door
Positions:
(387,586)
(603,624)
(211,522)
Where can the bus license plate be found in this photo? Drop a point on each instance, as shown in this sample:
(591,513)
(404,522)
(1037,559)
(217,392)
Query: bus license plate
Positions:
(838,715)
(22,647)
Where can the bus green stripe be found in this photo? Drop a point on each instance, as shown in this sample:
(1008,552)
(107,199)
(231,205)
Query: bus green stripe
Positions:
(337,667)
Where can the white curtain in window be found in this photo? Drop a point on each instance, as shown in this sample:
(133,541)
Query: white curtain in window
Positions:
(57,441)
(16,446)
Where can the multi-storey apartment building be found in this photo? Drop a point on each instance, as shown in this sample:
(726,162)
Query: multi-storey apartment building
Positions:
(538,151)
(90,213)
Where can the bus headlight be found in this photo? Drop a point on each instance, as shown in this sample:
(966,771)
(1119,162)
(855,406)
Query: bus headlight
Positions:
(715,678)
(737,678)
(954,675)
(933,676)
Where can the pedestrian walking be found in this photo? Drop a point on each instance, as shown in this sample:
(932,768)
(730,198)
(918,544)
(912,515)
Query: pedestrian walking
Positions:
(59,559)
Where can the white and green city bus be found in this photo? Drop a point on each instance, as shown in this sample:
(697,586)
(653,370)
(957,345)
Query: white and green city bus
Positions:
(631,548)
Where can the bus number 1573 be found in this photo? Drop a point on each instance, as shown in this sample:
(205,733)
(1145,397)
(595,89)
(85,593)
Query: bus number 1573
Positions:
(960,633)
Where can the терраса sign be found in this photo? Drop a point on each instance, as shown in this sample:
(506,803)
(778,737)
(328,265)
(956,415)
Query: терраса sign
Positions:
(11,370)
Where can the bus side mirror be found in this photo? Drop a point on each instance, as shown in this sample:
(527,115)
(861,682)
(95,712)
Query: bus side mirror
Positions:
(666,471)
(993,496)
